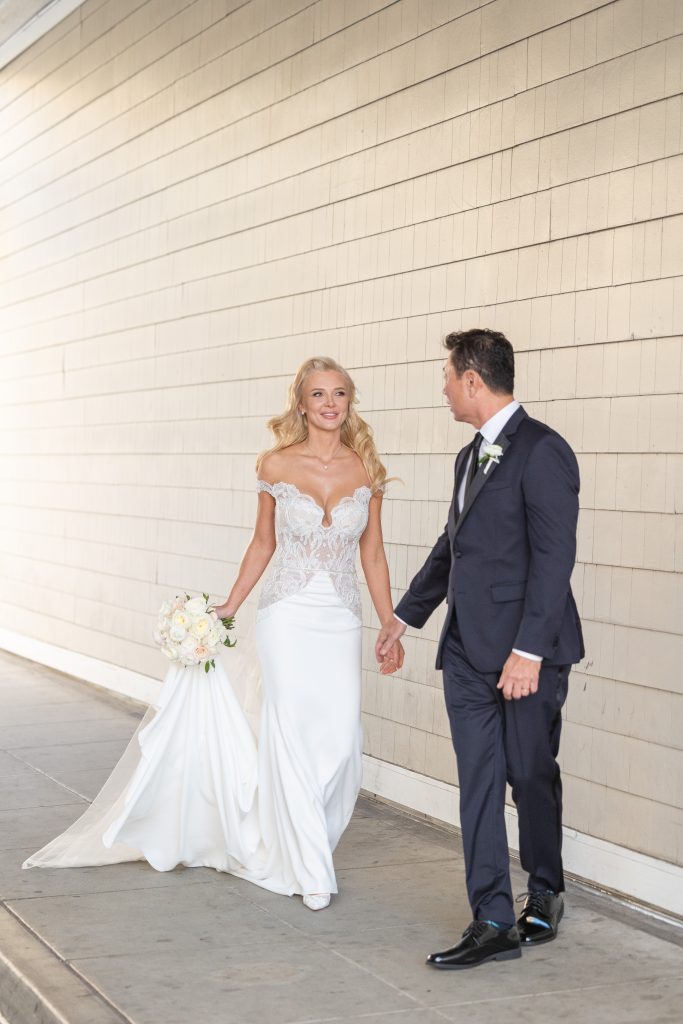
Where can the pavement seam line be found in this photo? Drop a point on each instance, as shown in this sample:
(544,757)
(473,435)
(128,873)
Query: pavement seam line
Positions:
(357,1017)
(35,768)
(378,977)
(97,892)
(65,963)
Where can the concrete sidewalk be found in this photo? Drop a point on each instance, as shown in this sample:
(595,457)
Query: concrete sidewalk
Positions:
(125,943)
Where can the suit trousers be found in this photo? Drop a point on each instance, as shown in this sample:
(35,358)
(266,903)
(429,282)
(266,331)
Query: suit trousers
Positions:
(498,741)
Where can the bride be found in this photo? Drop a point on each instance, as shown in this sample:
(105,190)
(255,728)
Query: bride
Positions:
(194,787)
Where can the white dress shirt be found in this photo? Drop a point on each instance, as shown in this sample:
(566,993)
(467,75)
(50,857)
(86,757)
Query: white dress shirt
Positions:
(489,431)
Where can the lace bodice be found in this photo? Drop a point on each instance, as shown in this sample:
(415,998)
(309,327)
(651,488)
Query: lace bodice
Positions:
(305,545)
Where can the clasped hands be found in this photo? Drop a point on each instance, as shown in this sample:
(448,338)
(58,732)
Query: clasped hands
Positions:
(388,647)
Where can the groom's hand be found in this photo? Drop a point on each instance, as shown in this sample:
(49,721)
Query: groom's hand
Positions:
(519,677)
(387,645)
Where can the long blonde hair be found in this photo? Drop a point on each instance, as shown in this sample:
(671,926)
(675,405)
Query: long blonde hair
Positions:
(290,426)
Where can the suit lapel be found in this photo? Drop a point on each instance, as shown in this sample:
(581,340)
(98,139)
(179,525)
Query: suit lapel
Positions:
(460,463)
(481,477)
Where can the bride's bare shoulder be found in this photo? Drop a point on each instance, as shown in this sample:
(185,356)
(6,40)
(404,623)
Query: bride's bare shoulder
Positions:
(275,465)
(356,469)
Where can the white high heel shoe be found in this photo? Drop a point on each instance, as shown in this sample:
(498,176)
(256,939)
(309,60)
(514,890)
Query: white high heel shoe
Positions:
(317,901)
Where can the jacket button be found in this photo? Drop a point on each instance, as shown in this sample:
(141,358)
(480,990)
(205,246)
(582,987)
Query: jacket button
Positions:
(556,641)
(458,554)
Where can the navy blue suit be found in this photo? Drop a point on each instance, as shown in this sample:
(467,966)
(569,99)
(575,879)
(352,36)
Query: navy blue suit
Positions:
(503,564)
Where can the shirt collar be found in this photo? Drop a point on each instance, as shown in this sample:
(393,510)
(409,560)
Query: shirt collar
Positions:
(492,428)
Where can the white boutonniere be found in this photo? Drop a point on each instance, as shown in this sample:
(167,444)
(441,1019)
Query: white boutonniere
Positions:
(488,454)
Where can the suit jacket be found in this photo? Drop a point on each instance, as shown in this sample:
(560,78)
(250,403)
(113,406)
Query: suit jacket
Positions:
(504,563)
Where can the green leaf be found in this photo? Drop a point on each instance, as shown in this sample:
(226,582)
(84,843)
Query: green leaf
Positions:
(205,596)
(206,666)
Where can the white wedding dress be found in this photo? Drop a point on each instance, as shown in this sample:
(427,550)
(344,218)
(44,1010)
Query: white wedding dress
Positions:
(195,787)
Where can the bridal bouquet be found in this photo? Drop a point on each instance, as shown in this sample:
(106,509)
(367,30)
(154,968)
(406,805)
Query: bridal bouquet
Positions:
(189,633)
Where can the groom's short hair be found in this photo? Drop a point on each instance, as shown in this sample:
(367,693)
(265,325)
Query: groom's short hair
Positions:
(487,352)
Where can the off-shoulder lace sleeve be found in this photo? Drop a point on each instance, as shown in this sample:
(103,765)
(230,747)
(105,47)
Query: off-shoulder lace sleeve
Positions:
(263,485)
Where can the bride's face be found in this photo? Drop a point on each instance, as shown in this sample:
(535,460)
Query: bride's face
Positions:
(325,399)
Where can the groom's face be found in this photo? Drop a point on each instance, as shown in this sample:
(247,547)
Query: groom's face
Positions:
(456,392)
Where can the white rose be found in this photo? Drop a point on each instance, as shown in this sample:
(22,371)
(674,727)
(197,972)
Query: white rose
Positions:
(493,451)
(212,638)
(177,633)
(490,455)
(187,656)
(196,606)
(170,653)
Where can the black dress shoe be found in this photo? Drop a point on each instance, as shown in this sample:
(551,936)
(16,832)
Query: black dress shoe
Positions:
(480,942)
(541,917)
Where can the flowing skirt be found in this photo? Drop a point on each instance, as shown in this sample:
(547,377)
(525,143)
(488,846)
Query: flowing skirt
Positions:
(195,788)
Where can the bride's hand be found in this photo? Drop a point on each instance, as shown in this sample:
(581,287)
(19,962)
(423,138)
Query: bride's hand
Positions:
(222,611)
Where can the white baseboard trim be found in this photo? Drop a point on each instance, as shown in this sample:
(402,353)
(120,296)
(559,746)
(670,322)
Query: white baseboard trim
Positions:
(32,30)
(599,863)
(595,861)
(82,666)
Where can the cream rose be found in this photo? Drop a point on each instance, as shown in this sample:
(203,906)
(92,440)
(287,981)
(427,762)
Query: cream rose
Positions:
(201,625)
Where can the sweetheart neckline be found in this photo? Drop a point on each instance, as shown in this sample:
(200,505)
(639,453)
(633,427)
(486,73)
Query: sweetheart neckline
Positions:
(309,497)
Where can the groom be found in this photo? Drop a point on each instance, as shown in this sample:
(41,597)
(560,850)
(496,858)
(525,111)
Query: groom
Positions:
(510,637)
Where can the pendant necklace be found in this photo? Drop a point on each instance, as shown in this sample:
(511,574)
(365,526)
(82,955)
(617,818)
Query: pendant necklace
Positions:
(332,456)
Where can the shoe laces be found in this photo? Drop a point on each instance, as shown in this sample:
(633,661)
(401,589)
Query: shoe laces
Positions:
(476,929)
(535,901)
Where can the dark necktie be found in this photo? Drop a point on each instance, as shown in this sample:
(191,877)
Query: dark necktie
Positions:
(474,464)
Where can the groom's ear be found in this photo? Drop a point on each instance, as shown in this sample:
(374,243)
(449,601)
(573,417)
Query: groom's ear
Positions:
(473,382)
